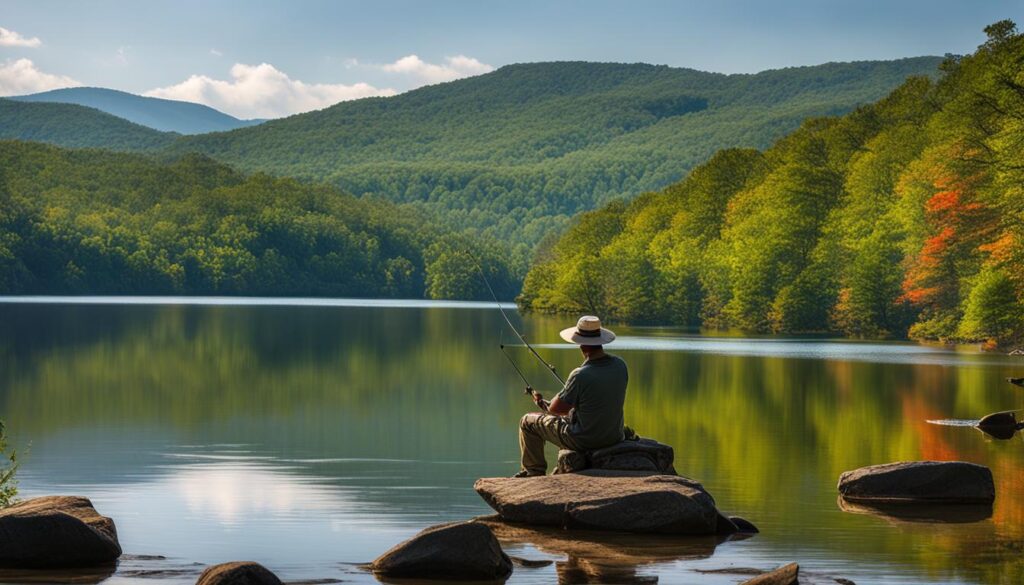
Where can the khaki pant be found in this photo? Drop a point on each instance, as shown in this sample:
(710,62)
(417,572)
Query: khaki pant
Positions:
(534,429)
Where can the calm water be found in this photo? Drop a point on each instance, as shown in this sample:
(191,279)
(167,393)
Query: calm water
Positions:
(314,437)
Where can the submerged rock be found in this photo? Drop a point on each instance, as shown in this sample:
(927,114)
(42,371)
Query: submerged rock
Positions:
(607,500)
(955,482)
(56,531)
(238,573)
(531,563)
(632,455)
(458,551)
(743,525)
(784,575)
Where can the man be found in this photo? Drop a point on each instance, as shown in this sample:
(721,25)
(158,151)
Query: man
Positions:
(587,413)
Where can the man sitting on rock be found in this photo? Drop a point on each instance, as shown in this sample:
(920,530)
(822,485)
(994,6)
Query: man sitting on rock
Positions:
(587,413)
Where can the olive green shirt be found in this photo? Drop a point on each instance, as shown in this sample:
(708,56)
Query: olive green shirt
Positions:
(596,391)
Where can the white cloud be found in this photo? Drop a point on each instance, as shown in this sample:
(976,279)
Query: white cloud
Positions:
(21,77)
(263,91)
(453,68)
(10,38)
(216,53)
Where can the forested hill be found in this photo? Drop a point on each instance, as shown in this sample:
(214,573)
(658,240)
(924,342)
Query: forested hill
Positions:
(76,126)
(903,216)
(156,113)
(98,222)
(520,150)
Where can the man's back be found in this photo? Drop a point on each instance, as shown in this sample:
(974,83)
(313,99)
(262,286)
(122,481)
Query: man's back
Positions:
(597,392)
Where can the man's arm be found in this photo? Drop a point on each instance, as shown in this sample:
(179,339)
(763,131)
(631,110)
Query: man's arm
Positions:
(556,406)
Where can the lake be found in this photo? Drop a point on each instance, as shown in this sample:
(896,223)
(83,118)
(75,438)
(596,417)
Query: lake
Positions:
(313,435)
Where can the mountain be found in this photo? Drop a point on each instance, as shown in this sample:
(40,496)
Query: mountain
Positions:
(90,221)
(76,126)
(518,151)
(156,113)
(901,217)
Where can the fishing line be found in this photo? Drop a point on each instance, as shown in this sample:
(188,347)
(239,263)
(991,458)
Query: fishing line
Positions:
(501,309)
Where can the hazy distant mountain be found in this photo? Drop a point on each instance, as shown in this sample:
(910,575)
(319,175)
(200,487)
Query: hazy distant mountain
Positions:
(71,125)
(156,113)
(520,150)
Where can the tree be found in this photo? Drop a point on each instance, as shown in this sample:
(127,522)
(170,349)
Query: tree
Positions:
(902,217)
(992,310)
(9,466)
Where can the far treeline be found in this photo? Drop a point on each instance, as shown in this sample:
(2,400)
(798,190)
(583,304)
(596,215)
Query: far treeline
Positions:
(99,222)
(905,217)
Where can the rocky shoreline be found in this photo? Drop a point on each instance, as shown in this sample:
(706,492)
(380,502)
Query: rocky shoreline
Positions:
(605,514)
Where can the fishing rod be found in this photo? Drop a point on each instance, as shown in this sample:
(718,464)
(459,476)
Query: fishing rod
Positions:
(529,387)
(501,309)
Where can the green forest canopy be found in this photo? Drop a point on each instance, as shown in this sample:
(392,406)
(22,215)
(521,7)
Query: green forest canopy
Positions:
(517,152)
(906,216)
(99,222)
(76,126)
(510,155)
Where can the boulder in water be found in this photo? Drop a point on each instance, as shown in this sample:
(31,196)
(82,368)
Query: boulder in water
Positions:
(1000,425)
(607,500)
(458,551)
(955,482)
(238,573)
(54,532)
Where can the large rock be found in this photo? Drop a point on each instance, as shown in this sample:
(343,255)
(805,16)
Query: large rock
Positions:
(919,482)
(461,550)
(56,531)
(607,500)
(238,573)
(633,455)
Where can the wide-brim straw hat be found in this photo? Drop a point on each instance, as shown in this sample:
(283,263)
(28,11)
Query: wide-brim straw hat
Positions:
(588,331)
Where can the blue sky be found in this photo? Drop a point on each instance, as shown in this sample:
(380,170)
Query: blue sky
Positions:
(273,58)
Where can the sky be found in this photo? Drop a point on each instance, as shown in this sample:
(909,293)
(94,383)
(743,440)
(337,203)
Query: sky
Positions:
(266,59)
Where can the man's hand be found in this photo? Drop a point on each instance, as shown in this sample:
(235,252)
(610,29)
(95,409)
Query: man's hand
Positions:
(538,399)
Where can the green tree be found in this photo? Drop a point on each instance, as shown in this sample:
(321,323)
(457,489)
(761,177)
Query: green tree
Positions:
(992,310)
(903,217)
(8,468)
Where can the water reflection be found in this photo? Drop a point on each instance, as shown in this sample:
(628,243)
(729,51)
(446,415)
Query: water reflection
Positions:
(604,557)
(927,513)
(308,436)
(865,351)
(1001,426)
(85,576)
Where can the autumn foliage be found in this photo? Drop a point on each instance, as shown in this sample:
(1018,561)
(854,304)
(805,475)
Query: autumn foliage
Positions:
(905,217)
